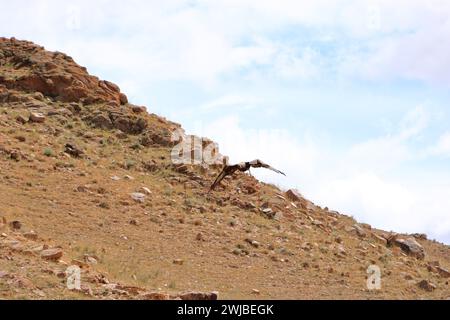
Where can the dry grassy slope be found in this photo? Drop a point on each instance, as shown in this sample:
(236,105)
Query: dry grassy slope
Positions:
(223,240)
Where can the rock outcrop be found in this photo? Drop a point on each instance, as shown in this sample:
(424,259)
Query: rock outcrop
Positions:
(52,74)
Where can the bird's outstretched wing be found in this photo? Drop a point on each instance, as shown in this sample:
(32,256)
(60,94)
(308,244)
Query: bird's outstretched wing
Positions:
(259,164)
(227,170)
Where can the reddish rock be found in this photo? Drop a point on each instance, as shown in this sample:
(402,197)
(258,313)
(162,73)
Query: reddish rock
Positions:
(37,117)
(359,231)
(199,296)
(21,119)
(293,195)
(31,235)
(155,296)
(54,74)
(426,285)
(138,109)
(379,238)
(123,98)
(179,262)
(52,254)
(443,272)
(15,225)
(22,282)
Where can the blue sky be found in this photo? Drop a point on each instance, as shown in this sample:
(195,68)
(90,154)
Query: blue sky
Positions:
(350,98)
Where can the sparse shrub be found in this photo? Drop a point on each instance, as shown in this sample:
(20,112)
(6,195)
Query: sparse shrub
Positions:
(168,192)
(129,164)
(48,152)
(136,146)
(188,203)
(104,205)
(172,285)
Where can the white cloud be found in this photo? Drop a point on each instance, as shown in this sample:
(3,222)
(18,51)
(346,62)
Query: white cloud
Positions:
(442,147)
(306,65)
(203,40)
(388,152)
(231,101)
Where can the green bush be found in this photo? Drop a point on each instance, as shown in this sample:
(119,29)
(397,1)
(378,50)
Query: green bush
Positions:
(48,152)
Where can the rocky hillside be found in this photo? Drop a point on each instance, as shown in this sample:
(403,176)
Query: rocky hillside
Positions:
(87,180)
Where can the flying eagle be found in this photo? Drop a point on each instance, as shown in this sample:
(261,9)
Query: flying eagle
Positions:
(243,166)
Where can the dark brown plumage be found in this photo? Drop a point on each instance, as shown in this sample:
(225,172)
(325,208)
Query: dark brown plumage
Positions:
(243,166)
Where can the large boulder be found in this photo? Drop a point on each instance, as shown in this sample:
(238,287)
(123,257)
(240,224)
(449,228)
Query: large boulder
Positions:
(408,245)
(100,120)
(111,119)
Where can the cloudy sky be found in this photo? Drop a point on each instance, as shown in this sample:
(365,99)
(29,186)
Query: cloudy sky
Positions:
(349,98)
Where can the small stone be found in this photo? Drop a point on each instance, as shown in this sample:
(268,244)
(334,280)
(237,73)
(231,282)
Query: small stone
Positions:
(90,260)
(22,283)
(199,237)
(138,197)
(408,277)
(359,231)
(155,296)
(15,225)
(178,262)
(420,236)
(379,238)
(31,235)
(39,293)
(199,296)
(115,178)
(137,109)
(341,250)
(426,285)
(21,119)
(52,254)
(293,195)
(146,191)
(134,222)
(79,263)
(256,292)
(253,243)
(278,216)
(237,252)
(443,272)
(37,117)
(38,96)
